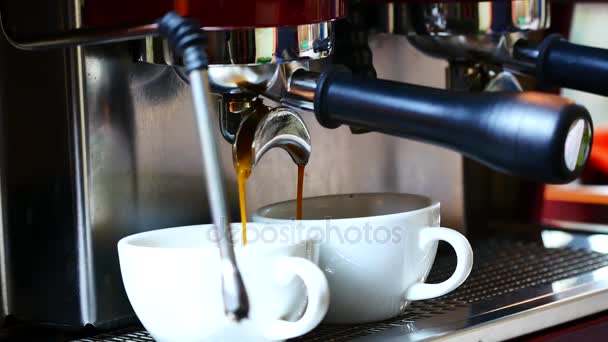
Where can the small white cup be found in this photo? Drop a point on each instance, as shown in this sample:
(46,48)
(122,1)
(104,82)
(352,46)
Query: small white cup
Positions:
(172,279)
(375,249)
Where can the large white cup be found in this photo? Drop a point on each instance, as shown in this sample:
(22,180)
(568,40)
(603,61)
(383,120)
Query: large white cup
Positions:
(376,250)
(172,279)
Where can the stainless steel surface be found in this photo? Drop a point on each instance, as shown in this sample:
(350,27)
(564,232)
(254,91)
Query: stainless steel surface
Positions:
(226,46)
(468,30)
(504,81)
(4,266)
(238,78)
(261,129)
(300,89)
(238,58)
(253,46)
(87,284)
(232,110)
(515,288)
(46,183)
(268,79)
(236,303)
(82,36)
(493,49)
(465,18)
(91,170)
(283,128)
(248,59)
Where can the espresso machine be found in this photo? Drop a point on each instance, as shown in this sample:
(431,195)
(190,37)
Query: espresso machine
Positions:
(500,47)
(100,139)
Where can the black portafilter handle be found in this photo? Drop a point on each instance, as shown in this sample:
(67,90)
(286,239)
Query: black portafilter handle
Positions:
(563,64)
(534,135)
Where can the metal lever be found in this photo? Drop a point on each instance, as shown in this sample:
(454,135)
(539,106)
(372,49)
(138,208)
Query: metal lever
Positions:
(186,37)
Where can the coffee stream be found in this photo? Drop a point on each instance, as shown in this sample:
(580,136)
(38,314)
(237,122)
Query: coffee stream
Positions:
(243,165)
(242,179)
(300,192)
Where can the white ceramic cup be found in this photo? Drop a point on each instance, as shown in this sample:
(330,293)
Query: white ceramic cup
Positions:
(172,279)
(375,249)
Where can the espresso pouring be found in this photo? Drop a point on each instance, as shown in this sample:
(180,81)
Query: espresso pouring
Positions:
(243,163)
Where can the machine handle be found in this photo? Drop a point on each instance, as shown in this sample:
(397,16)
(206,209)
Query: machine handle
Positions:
(538,136)
(568,65)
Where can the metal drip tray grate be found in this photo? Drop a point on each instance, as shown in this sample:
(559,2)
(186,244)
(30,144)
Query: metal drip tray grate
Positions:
(501,269)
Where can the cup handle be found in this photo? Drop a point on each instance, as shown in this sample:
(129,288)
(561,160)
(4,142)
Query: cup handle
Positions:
(318,296)
(464,255)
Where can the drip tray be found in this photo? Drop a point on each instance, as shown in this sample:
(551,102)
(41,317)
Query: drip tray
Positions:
(514,289)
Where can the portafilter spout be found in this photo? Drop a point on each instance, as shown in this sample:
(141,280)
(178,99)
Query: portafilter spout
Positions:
(283,128)
(189,40)
(279,127)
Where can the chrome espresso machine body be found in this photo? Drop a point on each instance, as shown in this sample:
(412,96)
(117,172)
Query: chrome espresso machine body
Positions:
(100,139)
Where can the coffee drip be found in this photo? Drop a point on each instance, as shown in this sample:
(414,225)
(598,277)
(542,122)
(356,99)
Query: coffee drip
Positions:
(300,192)
(243,158)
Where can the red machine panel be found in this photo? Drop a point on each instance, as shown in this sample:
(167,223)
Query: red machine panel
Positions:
(217,13)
